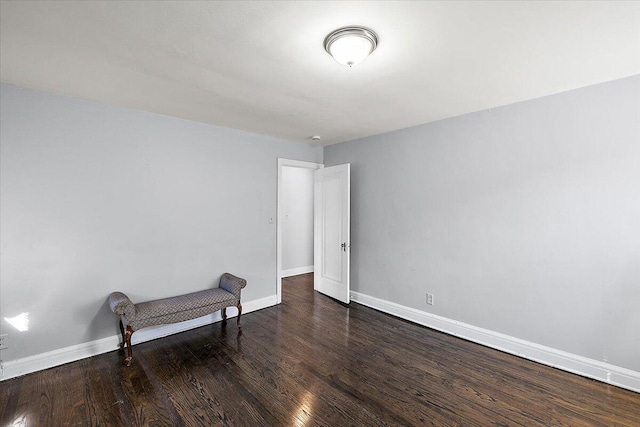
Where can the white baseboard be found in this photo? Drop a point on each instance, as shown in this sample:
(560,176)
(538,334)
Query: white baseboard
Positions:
(297,271)
(590,368)
(38,362)
(573,363)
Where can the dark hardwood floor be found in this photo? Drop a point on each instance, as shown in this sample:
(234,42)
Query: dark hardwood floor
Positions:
(311,361)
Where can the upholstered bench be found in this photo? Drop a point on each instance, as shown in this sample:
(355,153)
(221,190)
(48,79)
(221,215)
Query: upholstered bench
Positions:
(175,309)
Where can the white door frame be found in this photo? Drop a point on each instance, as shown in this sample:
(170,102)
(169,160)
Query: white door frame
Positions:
(281,164)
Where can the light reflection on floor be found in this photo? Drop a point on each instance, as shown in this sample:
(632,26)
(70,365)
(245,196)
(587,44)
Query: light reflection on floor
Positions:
(303,414)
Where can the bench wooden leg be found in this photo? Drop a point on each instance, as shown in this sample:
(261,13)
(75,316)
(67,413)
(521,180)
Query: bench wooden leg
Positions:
(239,313)
(224,316)
(123,337)
(128,334)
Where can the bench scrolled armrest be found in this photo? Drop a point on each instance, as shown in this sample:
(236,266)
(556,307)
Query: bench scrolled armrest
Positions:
(122,306)
(232,284)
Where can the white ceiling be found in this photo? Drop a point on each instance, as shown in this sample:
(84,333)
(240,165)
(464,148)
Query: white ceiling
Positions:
(261,66)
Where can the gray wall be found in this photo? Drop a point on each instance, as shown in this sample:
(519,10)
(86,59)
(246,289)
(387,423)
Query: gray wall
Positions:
(297,224)
(97,198)
(524,219)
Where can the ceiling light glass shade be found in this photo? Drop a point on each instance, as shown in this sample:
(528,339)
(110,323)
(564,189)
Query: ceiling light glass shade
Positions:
(351,45)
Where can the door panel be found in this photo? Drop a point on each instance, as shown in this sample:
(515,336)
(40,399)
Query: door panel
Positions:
(332,231)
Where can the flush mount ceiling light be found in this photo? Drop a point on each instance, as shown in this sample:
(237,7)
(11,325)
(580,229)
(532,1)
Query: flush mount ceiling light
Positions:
(351,45)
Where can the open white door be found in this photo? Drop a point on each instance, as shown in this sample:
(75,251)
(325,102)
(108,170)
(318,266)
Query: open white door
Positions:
(332,227)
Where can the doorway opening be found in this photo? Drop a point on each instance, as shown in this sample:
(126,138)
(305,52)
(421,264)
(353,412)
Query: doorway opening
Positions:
(295,228)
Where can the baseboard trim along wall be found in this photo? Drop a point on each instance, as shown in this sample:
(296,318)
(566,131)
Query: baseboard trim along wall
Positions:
(297,271)
(569,362)
(50,359)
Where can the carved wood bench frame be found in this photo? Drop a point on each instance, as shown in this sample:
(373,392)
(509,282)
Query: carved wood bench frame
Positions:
(175,309)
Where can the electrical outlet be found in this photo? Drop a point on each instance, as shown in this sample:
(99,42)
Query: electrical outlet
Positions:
(429,299)
(3,341)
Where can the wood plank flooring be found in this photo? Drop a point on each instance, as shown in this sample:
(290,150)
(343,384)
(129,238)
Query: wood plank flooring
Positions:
(313,362)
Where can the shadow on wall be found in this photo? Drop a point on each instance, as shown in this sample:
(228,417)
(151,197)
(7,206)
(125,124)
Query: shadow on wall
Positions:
(103,322)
